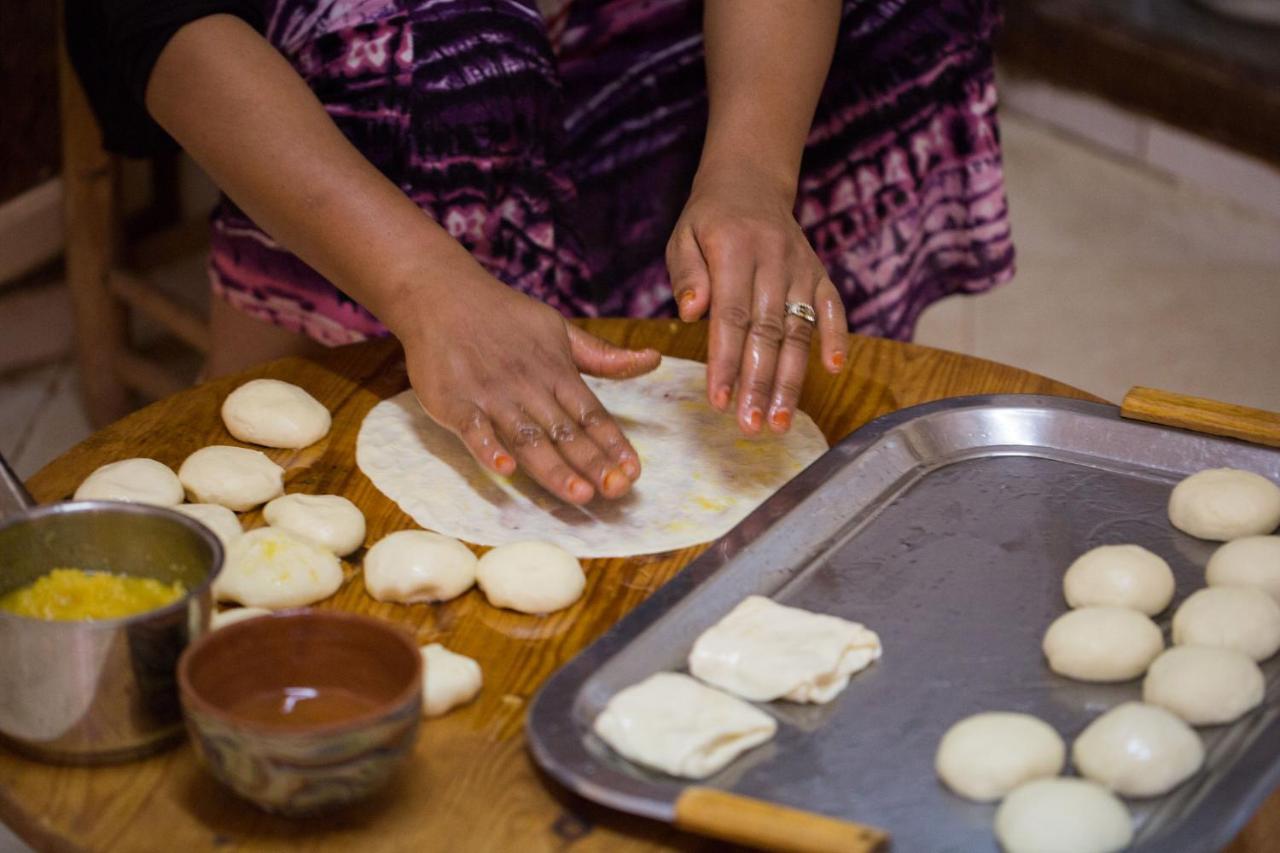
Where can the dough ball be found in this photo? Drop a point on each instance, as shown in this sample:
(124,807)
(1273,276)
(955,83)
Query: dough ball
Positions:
(143,481)
(219,519)
(1102,644)
(1249,561)
(449,680)
(1225,504)
(532,577)
(1063,816)
(275,569)
(234,477)
(1204,685)
(417,565)
(223,618)
(1235,617)
(328,520)
(1119,576)
(274,414)
(985,756)
(1138,750)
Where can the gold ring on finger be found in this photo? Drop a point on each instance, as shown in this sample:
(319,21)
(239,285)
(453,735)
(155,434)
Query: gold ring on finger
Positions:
(804,311)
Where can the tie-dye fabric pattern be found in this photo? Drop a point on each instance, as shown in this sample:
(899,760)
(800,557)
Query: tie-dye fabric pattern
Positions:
(557,140)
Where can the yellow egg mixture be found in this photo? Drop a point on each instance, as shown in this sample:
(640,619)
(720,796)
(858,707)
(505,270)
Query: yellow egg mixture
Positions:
(69,594)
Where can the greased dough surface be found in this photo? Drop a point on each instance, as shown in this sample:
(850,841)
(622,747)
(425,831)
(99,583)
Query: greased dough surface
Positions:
(762,650)
(219,519)
(1225,504)
(223,618)
(328,520)
(1063,816)
(449,680)
(234,477)
(987,755)
(1237,617)
(275,414)
(531,577)
(1102,644)
(1119,576)
(1138,750)
(672,723)
(273,568)
(139,480)
(1204,685)
(1248,561)
(417,565)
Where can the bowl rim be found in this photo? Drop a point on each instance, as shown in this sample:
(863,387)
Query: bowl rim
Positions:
(189,696)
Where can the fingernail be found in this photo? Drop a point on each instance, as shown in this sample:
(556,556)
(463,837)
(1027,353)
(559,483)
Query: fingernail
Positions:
(503,462)
(755,418)
(580,489)
(615,482)
(687,298)
(781,419)
(631,468)
(722,398)
(837,360)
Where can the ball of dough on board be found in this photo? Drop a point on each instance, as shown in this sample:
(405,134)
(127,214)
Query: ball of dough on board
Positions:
(532,577)
(143,481)
(1224,504)
(449,680)
(417,565)
(1249,561)
(1119,576)
(1138,750)
(275,569)
(219,519)
(223,618)
(1102,644)
(328,520)
(1204,685)
(275,414)
(234,477)
(1063,816)
(987,755)
(1235,617)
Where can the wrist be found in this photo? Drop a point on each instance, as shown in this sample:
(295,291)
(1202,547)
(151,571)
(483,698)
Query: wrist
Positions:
(767,179)
(413,293)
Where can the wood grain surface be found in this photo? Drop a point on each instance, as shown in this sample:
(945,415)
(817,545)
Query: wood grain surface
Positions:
(471,784)
(1202,415)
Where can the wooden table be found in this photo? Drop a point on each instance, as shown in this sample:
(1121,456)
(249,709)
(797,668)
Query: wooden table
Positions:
(471,784)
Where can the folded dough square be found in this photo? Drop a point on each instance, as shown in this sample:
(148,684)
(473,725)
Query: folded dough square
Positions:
(763,651)
(672,723)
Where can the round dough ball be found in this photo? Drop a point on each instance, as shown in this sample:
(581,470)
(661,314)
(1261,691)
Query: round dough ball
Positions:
(1138,750)
(1102,644)
(276,569)
(143,481)
(1235,617)
(219,519)
(1119,576)
(532,577)
(1225,504)
(416,565)
(234,477)
(1204,685)
(1063,816)
(448,680)
(275,414)
(1248,561)
(328,520)
(223,618)
(987,755)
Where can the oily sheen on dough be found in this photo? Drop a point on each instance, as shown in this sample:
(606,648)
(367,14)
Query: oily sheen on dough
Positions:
(234,477)
(701,476)
(1119,576)
(1063,816)
(762,650)
(531,577)
(672,723)
(1204,685)
(139,480)
(219,519)
(1225,504)
(417,565)
(273,568)
(328,520)
(1138,750)
(1102,644)
(1237,617)
(1248,561)
(987,755)
(275,414)
(448,680)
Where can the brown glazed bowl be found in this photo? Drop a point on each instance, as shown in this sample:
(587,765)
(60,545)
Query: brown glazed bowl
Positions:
(355,687)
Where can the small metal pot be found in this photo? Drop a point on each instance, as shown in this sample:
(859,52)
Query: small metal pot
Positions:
(96,691)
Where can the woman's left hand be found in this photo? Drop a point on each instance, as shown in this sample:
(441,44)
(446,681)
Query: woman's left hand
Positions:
(738,251)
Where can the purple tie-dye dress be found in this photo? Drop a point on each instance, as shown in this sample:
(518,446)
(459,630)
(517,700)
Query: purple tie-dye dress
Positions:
(557,140)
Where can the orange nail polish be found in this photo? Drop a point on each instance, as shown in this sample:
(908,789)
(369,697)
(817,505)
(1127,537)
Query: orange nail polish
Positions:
(781,419)
(837,360)
(687,298)
(502,461)
(615,482)
(755,418)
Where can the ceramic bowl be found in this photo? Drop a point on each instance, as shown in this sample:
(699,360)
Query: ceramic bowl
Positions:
(302,711)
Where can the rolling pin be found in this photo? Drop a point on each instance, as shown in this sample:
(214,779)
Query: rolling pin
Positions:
(1202,415)
(768,826)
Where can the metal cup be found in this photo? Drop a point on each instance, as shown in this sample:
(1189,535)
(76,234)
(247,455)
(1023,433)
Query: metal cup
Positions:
(97,691)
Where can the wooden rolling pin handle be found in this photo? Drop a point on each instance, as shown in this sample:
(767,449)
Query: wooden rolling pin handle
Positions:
(1202,415)
(768,826)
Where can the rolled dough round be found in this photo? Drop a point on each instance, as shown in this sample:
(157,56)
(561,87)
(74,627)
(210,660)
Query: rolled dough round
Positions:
(532,577)
(987,755)
(273,568)
(234,477)
(1225,504)
(417,565)
(219,519)
(1138,750)
(143,481)
(1236,617)
(328,520)
(1119,576)
(1062,816)
(449,680)
(223,618)
(275,414)
(1248,561)
(1204,685)
(1102,644)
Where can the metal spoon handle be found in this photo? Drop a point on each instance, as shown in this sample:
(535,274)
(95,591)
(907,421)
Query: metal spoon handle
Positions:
(14,497)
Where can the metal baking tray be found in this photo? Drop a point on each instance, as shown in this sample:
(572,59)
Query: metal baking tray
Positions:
(946,528)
